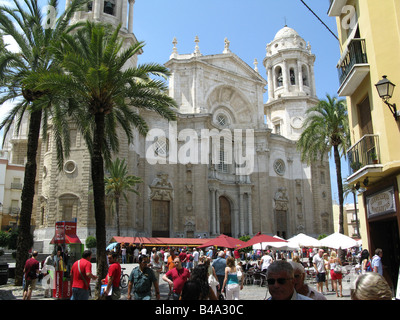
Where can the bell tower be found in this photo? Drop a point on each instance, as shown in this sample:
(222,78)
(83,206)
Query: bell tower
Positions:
(291,82)
(110,11)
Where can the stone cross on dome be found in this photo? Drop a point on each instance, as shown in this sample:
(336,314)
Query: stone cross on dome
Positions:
(174,49)
(226,48)
(197,49)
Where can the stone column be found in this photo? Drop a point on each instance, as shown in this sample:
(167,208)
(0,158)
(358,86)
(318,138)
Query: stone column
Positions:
(250,213)
(124,12)
(271,84)
(96,9)
(213,213)
(300,69)
(241,214)
(130,21)
(285,76)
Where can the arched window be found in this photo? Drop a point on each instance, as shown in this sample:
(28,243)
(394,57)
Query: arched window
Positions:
(109,6)
(292,77)
(305,75)
(278,77)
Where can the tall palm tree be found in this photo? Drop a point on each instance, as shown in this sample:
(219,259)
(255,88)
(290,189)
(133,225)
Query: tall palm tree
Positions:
(326,127)
(351,188)
(118,184)
(102,93)
(29,28)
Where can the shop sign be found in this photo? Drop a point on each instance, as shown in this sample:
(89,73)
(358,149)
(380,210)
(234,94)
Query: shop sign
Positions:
(381,203)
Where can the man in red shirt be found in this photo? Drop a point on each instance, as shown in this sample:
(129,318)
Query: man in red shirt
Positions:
(31,271)
(81,273)
(183,257)
(179,276)
(113,278)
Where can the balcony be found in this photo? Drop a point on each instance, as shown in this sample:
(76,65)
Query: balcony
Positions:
(335,8)
(364,153)
(353,67)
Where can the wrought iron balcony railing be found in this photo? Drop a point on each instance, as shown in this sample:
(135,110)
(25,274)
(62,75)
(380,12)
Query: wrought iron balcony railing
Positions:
(355,54)
(364,152)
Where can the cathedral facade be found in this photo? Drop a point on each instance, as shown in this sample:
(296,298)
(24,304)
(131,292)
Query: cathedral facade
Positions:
(228,165)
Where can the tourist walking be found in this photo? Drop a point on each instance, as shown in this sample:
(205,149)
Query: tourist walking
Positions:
(319,266)
(336,273)
(200,275)
(377,261)
(113,278)
(365,262)
(219,265)
(31,271)
(141,280)
(81,274)
(231,280)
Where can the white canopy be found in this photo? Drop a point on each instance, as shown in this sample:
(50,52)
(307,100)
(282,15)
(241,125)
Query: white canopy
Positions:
(338,240)
(276,245)
(302,240)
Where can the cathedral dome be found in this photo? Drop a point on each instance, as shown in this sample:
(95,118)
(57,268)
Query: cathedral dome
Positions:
(286,32)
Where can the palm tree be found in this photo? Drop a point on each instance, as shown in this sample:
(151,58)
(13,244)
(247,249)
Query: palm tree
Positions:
(28,27)
(351,188)
(326,127)
(118,183)
(102,93)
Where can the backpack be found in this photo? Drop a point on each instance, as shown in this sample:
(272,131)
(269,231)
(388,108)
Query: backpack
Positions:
(368,266)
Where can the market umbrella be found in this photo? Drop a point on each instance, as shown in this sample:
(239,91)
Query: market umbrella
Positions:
(265,240)
(111,246)
(224,241)
(302,240)
(338,240)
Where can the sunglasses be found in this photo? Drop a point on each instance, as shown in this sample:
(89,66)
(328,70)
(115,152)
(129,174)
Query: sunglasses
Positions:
(282,281)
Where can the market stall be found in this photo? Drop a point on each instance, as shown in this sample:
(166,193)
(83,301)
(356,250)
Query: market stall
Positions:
(68,249)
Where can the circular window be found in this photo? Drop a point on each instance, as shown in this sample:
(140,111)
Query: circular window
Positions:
(222,120)
(279,167)
(70,166)
(161,147)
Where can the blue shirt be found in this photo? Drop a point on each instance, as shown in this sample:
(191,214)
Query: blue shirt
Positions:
(377,262)
(219,265)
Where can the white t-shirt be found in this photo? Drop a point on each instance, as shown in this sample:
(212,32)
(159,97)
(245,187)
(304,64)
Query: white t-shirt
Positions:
(319,261)
(266,261)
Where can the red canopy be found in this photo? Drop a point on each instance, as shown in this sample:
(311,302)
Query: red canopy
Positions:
(165,242)
(224,241)
(259,238)
(68,239)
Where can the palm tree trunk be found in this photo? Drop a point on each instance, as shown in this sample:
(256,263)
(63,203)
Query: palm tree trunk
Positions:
(24,242)
(99,198)
(340,186)
(117,214)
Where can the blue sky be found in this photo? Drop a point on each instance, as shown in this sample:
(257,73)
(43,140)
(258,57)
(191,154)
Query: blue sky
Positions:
(248,25)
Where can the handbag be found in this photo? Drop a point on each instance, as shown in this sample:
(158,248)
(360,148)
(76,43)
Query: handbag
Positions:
(337,269)
(212,281)
(79,268)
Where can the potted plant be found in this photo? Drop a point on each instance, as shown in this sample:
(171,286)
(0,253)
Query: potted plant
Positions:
(355,165)
(374,158)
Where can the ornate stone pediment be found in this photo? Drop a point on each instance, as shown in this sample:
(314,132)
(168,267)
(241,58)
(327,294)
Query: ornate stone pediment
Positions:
(281,200)
(161,188)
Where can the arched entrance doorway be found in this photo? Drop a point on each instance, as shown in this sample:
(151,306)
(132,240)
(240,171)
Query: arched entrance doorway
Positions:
(225,216)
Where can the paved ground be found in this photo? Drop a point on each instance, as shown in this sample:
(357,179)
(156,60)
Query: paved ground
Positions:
(249,292)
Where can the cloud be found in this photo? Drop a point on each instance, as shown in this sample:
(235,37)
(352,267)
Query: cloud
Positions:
(11,43)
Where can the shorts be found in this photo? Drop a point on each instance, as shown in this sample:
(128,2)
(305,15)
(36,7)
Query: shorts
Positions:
(30,284)
(336,276)
(321,277)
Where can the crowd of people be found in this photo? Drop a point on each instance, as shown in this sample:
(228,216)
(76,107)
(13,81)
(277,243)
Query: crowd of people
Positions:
(194,274)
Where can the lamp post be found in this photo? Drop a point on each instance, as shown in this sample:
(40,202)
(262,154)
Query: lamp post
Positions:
(385,90)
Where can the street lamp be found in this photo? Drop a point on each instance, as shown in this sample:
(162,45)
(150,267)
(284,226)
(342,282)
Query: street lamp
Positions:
(385,90)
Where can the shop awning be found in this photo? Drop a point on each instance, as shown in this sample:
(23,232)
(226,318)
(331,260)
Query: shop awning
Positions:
(165,242)
(68,239)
